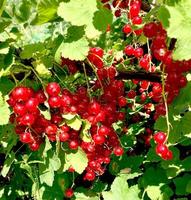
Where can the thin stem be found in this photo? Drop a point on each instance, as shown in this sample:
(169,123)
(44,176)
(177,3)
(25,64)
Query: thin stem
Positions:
(87,81)
(165,103)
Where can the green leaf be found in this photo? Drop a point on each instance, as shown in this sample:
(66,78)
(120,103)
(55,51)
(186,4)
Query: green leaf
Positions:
(46,114)
(32,50)
(183,100)
(55,162)
(5,85)
(84,13)
(46,11)
(181,184)
(81,196)
(77,50)
(8,138)
(42,70)
(68,116)
(154,192)
(46,175)
(4,108)
(120,190)
(22,10)
(102,18)
(84,134)
(77,160)
(7,164)
(179,27)
(158,173)
(74,123)
(2,5)
(74,33)
(47,147)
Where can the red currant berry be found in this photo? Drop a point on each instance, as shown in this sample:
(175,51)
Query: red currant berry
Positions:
(53,89)
(118,151)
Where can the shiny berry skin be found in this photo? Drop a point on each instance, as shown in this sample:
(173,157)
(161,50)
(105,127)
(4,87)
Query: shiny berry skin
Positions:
(64,136)
(73,144)
(127,29)
(137,20)
(98,139)
(161,150)
(19,109)
(160,137)
(134,10)
(34,146)
(65,128)
(21,94)
(32,104)
(94,108)
(118,151)
(69,193)
(122,101)
(53,89)
(103,130)
(54,102)
(90,176)
(150,29)
(40,96)
(97,51)
(144,63)
(138,52)
(26,138)
(51,129)
(129,50)
(168,156)
(131,94)
(27,119)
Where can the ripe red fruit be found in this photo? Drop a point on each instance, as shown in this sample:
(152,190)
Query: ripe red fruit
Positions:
(64,136)
(65,128)
(95,56)
(129,50)
(150,29)
(34,146)
(90,176)
(103,130)
(168,156)
(40,96)
(51,129)
(134,10)
(131,94)
(137,20)
(53,89)
(27,119)
(98,139)
(19,109)
(144,63)
(161,150)
(69,193)
(54,102)
(21,94)
(122,101)
(26,138)
(118,151)
(32,104)
(73,144)
(127,29)
(138,52)
(160,137)
(94,108)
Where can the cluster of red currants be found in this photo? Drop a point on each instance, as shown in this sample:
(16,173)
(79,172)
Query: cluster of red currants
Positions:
(175,78)
(32,126)
(161,148)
